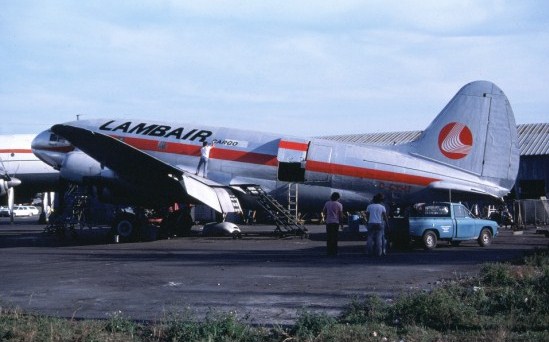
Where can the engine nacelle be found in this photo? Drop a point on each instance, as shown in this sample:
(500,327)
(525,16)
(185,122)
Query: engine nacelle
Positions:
(77,165)
(3,187)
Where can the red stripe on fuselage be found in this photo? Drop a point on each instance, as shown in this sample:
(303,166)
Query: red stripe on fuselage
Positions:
(270,160)
(292,145)
(194,150)
(360,172)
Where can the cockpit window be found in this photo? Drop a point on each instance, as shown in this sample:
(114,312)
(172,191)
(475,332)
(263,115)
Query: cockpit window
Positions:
(54,138)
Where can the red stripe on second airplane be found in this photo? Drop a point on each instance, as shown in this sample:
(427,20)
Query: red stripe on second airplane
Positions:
(360,172)
(15,150)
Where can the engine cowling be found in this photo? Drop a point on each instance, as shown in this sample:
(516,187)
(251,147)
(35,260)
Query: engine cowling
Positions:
(3,187)
(6,184)
(77,165)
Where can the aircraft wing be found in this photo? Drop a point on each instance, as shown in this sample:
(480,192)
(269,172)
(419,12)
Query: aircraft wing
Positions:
(134,165)
(118,156)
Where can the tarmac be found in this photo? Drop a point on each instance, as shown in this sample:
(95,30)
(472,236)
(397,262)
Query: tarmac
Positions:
(265,280)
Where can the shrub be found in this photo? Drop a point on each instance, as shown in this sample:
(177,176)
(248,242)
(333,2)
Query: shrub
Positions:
(371,309)
(442,309)
(496,275)
(225,327)
(118,323)
(309,324)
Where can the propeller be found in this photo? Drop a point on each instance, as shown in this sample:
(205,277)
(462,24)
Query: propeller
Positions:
(7,184)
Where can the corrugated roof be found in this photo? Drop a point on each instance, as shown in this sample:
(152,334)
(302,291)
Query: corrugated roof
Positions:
(533,138)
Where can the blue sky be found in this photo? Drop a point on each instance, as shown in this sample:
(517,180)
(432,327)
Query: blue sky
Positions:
(304,68)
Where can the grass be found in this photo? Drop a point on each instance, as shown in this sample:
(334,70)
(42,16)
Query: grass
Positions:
(506,302)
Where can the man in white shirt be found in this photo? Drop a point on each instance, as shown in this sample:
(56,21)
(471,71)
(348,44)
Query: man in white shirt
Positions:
(204,157)
(376,216)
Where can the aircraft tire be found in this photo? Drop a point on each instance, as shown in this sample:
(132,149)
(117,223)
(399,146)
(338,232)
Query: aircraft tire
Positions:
(184,223)
(485,237)
(126,227)
(178,223)
(429,240)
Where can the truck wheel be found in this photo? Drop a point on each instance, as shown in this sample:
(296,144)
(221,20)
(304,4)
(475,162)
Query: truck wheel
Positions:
(126,227)
(485,237)
(429,239)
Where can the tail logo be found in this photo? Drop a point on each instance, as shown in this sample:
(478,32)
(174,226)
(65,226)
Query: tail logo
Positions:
(455,140)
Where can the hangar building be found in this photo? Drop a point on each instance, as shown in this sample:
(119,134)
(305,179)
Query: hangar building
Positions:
(533,176)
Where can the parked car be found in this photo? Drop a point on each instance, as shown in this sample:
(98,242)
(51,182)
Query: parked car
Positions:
(4,212)
(25,210)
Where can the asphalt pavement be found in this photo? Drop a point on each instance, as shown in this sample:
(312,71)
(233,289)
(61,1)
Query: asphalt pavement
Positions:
(264,279)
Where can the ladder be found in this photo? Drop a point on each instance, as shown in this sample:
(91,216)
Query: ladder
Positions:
(237,209)
(284,220)
(292,200)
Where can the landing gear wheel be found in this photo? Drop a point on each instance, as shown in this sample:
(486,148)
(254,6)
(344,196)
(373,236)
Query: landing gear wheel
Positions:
(429,239)
(178,223)
(126,227)
(485,237)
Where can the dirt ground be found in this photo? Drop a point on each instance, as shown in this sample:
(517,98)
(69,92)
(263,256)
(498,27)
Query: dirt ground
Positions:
(264,279)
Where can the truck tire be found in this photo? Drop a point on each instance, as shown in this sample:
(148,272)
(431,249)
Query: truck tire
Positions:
(126,227)
(429,239)
(485,237)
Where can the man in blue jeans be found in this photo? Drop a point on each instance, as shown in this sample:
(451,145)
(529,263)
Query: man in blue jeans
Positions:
(376,216)
(204,158)
(333,212)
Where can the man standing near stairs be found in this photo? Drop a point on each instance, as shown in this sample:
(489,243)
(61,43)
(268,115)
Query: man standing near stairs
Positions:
(333,211)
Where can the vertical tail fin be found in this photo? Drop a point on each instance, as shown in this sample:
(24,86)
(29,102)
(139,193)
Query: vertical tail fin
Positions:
(476,132)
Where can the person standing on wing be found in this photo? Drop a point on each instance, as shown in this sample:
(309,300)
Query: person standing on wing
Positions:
(204,158)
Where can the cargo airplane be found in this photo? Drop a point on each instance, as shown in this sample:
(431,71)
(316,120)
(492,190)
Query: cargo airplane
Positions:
(470,150)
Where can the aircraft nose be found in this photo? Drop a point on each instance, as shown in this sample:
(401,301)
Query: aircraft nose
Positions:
(51,148)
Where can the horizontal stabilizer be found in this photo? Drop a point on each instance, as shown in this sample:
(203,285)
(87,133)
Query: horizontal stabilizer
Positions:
(453,186)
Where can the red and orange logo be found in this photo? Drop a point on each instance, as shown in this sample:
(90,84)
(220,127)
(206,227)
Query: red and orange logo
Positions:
(455,140)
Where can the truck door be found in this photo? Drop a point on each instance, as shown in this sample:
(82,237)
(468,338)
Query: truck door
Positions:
(465,223)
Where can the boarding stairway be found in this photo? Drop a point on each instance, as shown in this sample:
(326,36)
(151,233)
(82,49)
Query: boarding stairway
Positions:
(285,221)
(72,213)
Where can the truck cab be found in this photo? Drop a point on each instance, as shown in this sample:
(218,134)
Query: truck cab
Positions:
(452,222)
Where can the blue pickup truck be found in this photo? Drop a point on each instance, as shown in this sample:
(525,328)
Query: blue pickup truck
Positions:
(453,222)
